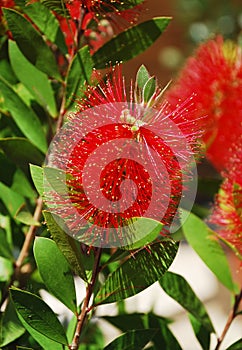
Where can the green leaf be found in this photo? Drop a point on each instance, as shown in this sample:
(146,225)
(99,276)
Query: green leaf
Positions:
(142,77)
(21,185)
(21,151)
(164,338)
(11,327)
(24,216)
(79,72)
(47,23)
(6,269)
(178,288)
(31,43)
(139,271)
(12,200)
(55,271)
(37,177)
(142,225)
(45,342)
(202,333)
(132,340)
(236,346)
(34,80)
(5,250)
(38,315)
(130,42)
(149,89)
(23,116)
(67,245)
(206,245)
(6,71)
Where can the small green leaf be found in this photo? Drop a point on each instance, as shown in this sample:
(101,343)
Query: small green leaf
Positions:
(149,89)
(6,269)
(202,333)
(132,340)
(5,250)
(31,43)
(12,200)
(11,327)
(67,245)
(142,77)
(21,185)
(79,72)
(139,271)
(33,79)
(38,315)
(206,245)
(177,288)
(24,216)
(47,23)
(37,177)
(236,346)
(55,271)
(21,151)
(23,116)
(130,42)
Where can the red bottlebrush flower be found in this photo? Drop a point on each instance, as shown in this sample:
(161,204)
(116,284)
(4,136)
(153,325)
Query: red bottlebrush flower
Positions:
(121,156)
(227,213)
(214,74)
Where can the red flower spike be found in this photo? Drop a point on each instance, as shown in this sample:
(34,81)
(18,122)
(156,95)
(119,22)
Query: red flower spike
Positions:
(119,159)
(214,74)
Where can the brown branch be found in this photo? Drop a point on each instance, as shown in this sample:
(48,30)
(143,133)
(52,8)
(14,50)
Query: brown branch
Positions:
(232,315)
(85,307)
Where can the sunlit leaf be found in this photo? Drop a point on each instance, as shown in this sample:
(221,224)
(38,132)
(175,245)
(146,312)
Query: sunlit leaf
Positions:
(6,269)
(203,335)
(31,43)
(12,200)
(37,177)
(55,271)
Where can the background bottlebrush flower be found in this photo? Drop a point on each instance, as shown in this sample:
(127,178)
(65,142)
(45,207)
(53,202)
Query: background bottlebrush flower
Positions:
(214,74)
(227,213)
(122,159)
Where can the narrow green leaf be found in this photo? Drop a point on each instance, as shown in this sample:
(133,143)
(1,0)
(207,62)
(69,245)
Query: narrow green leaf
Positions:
(24,216)
(12,200)
(236,346)
(55,271)
(6,269)
(31,43)
(132,340)
(6,71)
(130,42)
(205,243)
(33,79)
(38,315)
(142,77)
(149,89)
(21,151)
(11,327)
(45,342)
(178,288)
(21,185)
(5,250)
(47,23)
(23,116)
(37,177)
(139,271)
(79,72)
(67,245)
(202,333)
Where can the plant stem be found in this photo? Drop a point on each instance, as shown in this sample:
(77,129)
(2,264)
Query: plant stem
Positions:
(85,307)
(232,315)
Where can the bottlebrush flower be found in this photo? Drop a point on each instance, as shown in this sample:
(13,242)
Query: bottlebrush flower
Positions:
(227,213)
(214,74)
(123,156)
